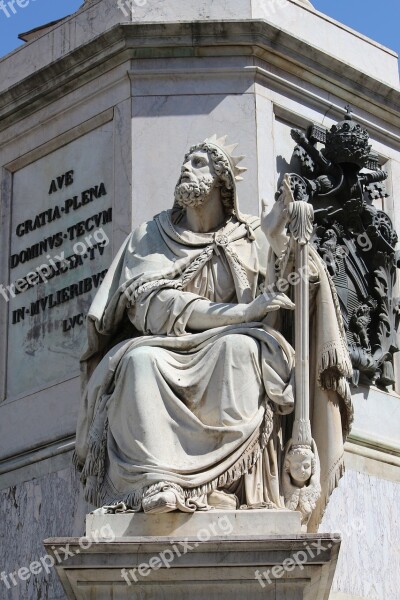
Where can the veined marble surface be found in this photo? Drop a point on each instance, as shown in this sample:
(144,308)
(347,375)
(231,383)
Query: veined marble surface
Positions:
(364,509)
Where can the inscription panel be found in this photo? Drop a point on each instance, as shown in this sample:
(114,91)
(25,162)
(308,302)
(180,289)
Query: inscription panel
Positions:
(60,251)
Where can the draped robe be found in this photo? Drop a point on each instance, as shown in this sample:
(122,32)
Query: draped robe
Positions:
(202,411)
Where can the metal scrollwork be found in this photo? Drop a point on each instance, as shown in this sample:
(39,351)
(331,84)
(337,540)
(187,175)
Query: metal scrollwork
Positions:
(340,176)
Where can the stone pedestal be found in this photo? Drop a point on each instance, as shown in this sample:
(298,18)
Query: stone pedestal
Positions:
(178,524)
(204,556)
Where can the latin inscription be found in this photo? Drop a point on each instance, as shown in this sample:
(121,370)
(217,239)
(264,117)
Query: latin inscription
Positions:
(54,242)
(60,251)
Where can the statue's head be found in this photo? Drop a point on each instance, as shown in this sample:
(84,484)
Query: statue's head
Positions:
(300,464)
(207,166)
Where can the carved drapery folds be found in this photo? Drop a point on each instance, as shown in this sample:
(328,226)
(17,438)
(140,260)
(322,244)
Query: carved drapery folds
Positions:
(339,175)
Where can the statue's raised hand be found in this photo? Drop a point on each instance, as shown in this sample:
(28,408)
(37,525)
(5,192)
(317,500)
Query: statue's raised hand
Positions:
(257,310)
(286,194)
(274,220)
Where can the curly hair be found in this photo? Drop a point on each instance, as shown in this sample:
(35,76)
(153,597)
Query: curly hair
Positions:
(303,451)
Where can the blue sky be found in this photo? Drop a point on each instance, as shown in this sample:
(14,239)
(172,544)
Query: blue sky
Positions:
(380,21)
(377,20)
(35,13)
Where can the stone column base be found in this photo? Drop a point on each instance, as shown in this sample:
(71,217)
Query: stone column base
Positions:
(204,561)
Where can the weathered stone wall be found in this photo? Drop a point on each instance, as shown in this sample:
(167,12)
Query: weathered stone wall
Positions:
(31,512)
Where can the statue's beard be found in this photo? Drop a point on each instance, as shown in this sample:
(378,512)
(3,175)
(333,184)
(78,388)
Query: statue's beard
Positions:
(194,193)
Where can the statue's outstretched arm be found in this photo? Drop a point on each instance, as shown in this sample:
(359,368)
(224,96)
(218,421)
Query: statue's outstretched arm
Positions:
(207,315)
(173,312)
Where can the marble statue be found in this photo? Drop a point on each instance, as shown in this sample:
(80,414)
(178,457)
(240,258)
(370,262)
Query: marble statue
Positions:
(188,377)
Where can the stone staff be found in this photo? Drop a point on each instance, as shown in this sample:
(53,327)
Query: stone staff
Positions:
(301,476)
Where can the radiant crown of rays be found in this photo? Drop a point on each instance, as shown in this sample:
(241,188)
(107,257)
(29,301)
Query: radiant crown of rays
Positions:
(220,145)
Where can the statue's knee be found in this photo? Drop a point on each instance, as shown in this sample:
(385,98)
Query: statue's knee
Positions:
(239,344)
(140,358)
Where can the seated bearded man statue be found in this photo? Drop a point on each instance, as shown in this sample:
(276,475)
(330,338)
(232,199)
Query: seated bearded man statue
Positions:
(187,388)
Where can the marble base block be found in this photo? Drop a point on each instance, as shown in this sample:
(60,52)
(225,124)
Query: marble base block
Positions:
(178,524)
(214,556)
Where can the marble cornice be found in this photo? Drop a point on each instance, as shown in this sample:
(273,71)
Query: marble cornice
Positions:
(258,40)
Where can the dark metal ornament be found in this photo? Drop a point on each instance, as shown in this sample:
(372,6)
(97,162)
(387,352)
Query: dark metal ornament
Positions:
(355,239)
